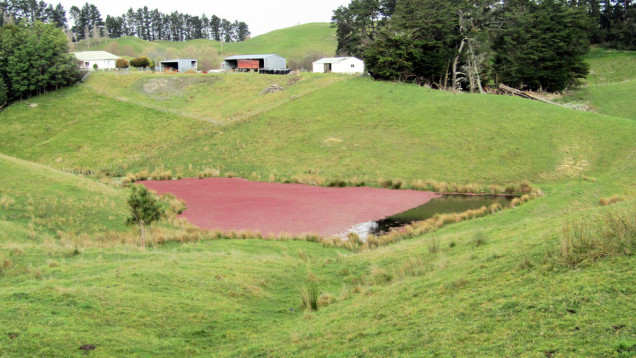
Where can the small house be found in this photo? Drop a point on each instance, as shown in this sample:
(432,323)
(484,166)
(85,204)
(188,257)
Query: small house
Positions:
(247,63)
(179,65)
(350,65)
(104,60)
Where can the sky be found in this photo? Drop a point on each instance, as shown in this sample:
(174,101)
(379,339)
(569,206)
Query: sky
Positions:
(261,16)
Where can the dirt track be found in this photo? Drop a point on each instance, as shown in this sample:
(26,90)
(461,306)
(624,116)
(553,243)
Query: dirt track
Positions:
(232,204)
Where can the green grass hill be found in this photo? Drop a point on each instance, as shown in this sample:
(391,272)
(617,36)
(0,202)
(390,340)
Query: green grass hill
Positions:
(550,278)
(610,86)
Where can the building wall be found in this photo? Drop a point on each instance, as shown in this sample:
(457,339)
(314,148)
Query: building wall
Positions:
(319,68)
(350,66)
(275,63)
(183,65)
(101,64)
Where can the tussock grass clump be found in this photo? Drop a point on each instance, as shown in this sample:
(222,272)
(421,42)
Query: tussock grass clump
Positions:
(5,263)
(611,200)
(412,267)
(380,276)
(433,246)
(479,239)
(526,263)
(326,299)
(6,201)
(157,174)
(174,206)
(309,179)
(309,295)
(610,233)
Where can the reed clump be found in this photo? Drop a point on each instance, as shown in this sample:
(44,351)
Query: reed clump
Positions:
(611,233)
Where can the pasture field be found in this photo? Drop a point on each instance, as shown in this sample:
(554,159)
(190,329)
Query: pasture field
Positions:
(609,88)
(550,278)
(386,130)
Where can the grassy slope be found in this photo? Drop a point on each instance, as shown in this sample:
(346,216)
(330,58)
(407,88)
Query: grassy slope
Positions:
(611,84)
(385,130)
(40,200)
(293,42)
(509,297)
(402,131)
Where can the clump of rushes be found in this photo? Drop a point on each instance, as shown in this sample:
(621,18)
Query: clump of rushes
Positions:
(309,295)
(608,234)
(479,239)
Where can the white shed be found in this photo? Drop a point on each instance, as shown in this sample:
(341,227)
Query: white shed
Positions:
(339,65)
(104,60)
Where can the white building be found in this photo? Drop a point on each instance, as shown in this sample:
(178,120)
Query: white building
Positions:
(339,65)
(103,59)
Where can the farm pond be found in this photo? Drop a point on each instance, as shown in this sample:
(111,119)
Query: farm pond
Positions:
(276,209)
(446,203)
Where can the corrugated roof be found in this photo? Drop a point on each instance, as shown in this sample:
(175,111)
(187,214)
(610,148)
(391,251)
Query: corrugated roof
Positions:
(95,56)
(250,57)
(179,59)
(334,59)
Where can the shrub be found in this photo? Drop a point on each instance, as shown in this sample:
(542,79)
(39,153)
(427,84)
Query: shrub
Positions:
(309,295)
(95,67)
(138,62)
(122,63)
(609,234)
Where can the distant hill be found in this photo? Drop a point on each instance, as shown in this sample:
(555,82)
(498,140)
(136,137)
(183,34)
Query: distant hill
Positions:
(297,44)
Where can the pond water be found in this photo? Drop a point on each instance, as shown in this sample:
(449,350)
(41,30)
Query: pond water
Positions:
(442,205)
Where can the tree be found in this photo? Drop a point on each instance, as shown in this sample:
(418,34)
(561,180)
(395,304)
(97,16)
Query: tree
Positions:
(34,59)
(417,44)
(3,93)
(541,45)
(140,62)
(144,210)
(122,63)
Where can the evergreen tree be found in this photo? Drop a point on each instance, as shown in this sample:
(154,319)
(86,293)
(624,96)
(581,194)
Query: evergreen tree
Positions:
(541,45)
(34,58)
(215,27)
(144,210)
(425,33)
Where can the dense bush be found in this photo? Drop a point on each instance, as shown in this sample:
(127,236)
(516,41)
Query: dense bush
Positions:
(34,59)
(138,62)
(122,63)
(460,45)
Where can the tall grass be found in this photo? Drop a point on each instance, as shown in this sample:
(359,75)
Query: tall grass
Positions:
(309,295)
(611,233)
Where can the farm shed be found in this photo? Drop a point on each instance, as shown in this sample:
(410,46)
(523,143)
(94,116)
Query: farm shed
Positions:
(246,63)
(179,64)
(339,65)
(104,60)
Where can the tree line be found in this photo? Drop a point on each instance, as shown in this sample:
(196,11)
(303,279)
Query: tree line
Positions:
(461,44)
(34,59)
(144,23)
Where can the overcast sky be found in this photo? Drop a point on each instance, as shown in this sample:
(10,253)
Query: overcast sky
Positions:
(262,16)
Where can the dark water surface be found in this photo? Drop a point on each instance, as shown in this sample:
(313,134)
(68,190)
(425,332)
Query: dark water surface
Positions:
(442,205)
